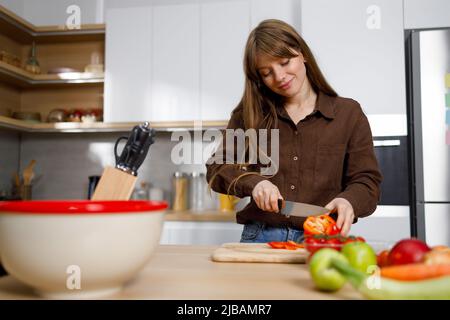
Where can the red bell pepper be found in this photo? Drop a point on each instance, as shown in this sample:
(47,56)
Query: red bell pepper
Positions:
(323,224)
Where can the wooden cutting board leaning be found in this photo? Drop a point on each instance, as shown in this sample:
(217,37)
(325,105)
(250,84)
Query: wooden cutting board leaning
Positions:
(257,252)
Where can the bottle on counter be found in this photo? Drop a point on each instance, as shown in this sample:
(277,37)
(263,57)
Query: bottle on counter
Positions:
(141,193)
(180,191)
(156,194)
(197,192)
(227,202)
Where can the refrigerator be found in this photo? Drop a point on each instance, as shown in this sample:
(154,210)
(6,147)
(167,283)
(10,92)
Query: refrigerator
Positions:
(428,83)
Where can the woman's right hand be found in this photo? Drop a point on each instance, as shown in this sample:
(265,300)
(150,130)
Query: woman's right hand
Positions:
(266,196)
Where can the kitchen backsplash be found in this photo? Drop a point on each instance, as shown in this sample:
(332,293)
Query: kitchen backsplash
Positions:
(65,161)
(9,158)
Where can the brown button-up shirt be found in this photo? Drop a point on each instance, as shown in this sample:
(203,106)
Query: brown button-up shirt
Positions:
(327,155)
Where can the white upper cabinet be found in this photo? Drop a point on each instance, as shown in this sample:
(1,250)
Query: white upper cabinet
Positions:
(128,57)
(420,14)
(224,29)
(175,62)
(286,10)
(359,45)
(180,60)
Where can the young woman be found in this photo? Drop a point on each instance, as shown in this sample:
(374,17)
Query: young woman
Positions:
(326,154)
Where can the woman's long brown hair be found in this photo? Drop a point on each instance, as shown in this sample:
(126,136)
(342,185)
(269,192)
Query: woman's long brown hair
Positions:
(258,103)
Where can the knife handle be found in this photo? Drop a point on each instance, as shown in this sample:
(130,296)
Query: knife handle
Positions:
(333,214)
(281,204)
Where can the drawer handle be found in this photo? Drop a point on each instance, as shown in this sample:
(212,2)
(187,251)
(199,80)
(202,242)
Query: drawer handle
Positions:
(386,143)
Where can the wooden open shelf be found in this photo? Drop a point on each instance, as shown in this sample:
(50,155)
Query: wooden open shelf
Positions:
(57,47)
(21,78)
(24,32)
(76,127)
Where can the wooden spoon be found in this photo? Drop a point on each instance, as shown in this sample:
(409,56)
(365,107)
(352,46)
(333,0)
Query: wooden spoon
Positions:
(28,173)
(16,180)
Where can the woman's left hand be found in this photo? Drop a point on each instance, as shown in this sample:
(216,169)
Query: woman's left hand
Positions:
(345,214)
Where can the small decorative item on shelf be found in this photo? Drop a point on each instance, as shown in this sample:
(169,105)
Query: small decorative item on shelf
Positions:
(32,64)
(95,67)
(92,115)
(85,116)
(28,116)
(88,118)
(98,114)
(75,115)
(57,115)
(10,59)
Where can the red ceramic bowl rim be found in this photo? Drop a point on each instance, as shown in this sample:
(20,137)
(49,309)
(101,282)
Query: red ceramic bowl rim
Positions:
(80,207)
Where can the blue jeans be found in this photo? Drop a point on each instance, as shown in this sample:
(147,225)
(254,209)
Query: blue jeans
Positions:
(259,232)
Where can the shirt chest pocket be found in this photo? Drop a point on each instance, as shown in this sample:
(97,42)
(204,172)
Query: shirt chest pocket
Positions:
(329,167)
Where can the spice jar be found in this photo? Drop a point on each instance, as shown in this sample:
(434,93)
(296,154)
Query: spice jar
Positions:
(180,191)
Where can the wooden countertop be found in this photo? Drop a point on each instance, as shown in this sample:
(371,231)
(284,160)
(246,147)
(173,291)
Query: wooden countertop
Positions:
(186,272)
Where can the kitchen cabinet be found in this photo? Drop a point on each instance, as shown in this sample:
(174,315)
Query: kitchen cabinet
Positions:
(421,14)
(225,26)
(359,45)
(224,30)
(285,10)
(184,60)
(153,63)
(200,233)
(128,64)
(175,62)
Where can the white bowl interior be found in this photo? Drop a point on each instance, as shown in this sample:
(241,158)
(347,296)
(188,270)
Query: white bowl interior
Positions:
(86,255)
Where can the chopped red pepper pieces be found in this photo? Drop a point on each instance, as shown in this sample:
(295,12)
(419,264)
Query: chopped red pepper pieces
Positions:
(289,245)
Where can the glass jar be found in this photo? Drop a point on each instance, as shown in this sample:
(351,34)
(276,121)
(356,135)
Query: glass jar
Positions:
(197,192)
(180,191)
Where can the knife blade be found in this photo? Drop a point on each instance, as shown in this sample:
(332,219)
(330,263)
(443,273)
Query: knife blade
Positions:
(299,209)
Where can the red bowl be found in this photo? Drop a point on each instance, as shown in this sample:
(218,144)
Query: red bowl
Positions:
(80,206)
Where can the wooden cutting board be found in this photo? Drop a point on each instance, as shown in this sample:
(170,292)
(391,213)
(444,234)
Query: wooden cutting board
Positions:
(257,252)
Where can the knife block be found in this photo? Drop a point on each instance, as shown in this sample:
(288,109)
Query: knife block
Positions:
(114,184)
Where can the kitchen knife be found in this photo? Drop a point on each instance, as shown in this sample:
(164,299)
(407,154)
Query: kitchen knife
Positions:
(304,210)
(299,209)
(118,183)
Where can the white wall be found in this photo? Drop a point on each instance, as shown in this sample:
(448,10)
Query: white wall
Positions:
(53,12)
(9,159)
(422,14)
(16,6)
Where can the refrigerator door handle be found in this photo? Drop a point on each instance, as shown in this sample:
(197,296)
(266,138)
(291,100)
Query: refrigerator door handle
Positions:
(386,143)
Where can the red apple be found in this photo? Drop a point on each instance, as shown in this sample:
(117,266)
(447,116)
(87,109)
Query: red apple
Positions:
(408,251)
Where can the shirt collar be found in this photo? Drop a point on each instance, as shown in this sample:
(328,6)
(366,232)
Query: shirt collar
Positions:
(324,104)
